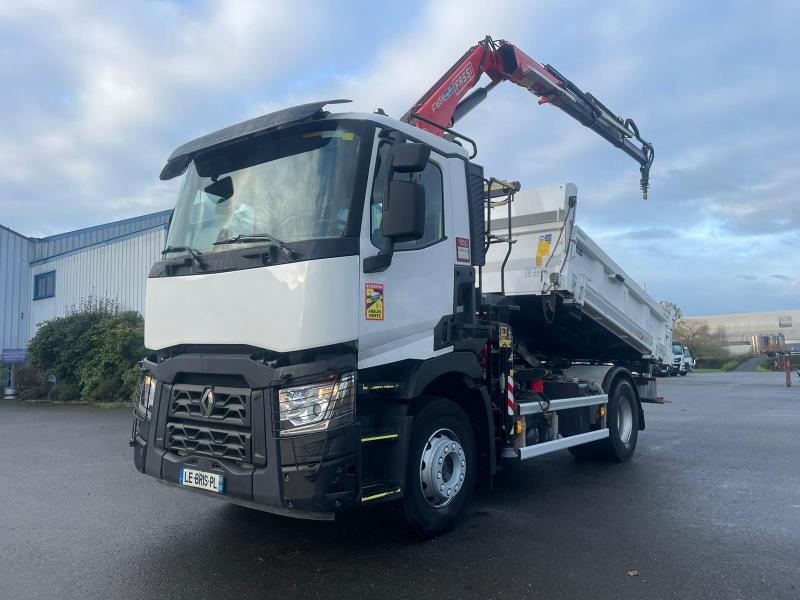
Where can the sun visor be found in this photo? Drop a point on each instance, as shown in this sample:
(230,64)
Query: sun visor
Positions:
(183,155)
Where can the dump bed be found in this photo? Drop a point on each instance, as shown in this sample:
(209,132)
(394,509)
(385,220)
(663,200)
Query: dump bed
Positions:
(574,300)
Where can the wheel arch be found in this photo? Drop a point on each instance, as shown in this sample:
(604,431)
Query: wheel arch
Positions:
(615,374)
(606,377)
(457,377)
(474,401)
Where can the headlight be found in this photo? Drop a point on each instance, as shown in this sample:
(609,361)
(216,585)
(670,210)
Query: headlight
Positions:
(318,406)
(145,395)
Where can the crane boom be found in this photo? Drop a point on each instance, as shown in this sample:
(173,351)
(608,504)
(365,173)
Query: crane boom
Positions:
(447,100)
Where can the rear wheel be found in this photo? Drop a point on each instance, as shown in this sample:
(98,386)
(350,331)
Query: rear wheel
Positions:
(623,427)
(441,468)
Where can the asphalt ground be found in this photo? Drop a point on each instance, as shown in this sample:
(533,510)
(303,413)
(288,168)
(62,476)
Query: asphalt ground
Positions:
(708,508)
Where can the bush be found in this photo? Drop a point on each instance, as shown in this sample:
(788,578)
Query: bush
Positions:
(28,377)
(65,392)
(709,363)
(36,392)
(90,351)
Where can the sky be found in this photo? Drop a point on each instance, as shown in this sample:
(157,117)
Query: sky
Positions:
(96,95)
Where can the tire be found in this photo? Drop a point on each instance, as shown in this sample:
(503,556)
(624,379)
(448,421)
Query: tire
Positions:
(441,433)
(623,427)
(684,373)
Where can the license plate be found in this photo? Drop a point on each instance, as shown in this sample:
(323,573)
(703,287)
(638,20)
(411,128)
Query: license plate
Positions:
(205,481)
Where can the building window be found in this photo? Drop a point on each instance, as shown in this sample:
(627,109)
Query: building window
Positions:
(44,285)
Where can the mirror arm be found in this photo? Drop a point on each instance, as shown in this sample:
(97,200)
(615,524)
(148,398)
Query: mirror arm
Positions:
(382,260)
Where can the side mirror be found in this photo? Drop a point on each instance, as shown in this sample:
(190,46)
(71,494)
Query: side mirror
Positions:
(404,203)
(410,158)
(404,213)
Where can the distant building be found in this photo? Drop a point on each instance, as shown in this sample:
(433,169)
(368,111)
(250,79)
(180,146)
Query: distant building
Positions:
(43,278)
(755,332)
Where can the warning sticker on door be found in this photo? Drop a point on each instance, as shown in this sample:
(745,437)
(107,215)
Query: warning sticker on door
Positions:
(373,301)
(462,249)
(543,248)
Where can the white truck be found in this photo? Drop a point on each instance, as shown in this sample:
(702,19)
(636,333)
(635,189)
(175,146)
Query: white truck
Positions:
(682,360)
(348,312)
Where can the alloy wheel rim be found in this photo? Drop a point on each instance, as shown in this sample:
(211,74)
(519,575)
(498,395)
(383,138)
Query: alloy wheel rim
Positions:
(625,419)
(442,468)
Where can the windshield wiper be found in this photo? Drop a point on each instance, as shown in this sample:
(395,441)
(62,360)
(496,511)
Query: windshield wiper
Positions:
(247,238)
(192,252)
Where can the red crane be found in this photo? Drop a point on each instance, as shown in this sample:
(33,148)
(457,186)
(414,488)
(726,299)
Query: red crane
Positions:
(445,102)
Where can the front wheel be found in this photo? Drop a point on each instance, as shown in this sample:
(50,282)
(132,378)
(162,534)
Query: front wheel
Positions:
(441,468)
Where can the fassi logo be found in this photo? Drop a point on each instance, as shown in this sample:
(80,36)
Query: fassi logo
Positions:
(463,77)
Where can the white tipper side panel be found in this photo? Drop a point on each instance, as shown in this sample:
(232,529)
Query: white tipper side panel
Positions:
(417,286)
(549,243)
(282,307)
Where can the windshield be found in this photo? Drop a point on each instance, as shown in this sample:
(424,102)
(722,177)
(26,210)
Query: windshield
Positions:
(677,348)
(295,186)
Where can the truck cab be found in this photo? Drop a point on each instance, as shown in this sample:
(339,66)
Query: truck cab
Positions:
(682,360)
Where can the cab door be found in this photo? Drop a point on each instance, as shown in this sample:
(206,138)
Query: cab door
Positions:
(402,305)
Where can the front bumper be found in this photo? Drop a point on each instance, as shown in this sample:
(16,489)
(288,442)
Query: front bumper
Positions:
(315,474)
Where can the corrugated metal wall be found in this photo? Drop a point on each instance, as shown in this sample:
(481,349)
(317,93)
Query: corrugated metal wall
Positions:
(116,269)
(15,250)
(56,245)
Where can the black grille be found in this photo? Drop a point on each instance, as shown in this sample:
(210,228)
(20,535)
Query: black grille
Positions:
(231,405)
(223,432)
(208,441)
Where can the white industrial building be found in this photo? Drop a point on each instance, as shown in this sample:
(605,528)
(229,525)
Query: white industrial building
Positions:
(43,278)
(746,333)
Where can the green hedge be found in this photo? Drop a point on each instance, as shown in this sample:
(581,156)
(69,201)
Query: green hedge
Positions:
(710,363)
(91,352)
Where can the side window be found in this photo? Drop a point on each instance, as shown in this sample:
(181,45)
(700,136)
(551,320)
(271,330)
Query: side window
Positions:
(44,285)
(431,179)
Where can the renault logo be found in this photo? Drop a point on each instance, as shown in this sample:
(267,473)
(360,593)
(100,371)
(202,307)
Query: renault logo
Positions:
(207,402)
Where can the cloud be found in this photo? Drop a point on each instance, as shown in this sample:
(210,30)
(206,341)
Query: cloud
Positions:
(136,88)
(104,91)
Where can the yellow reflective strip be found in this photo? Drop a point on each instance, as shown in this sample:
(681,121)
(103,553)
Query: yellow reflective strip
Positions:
(375,438)
(381,495)
(347,136)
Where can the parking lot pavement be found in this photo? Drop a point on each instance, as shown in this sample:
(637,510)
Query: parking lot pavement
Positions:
(708,508)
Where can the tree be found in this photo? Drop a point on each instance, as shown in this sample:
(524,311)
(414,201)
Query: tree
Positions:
(699,338)
(677,313)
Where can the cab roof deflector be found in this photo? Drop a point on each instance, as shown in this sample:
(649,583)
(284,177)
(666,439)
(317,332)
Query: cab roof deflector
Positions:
(183,155)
